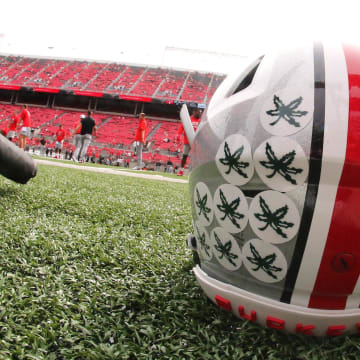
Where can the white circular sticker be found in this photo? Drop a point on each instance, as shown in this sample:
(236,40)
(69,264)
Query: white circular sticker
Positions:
(225,249)
(203,242)
(264,261)
(281,163)
(231,208)
(274,217)
(287,111)
(234,160)
(203,204)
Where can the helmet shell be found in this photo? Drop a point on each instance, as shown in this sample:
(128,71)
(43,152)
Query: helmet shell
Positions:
(275,191)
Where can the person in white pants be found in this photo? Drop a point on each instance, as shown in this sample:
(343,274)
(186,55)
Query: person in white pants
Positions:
(140,138)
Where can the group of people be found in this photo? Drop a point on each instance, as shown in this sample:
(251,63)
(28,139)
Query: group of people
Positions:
(141,133)
(82,133)
(86,130)
(20,122)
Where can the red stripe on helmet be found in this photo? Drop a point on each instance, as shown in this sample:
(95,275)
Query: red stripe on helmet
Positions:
(340,265)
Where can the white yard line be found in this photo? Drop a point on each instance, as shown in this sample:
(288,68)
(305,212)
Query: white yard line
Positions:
(141,175)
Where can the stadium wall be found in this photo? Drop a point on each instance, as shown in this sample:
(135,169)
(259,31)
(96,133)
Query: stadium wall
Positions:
(105,104)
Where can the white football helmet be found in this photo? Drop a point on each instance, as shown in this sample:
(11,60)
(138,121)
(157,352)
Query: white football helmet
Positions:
(274,189)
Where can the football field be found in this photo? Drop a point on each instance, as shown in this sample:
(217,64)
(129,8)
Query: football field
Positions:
(95,266)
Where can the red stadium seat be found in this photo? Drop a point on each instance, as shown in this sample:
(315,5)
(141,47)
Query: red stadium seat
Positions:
(109,78)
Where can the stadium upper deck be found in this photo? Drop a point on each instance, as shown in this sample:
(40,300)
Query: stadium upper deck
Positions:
(126,82)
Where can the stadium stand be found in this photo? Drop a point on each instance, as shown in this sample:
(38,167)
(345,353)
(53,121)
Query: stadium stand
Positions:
(7,63)
(127,79)
(214,84)
(84,75)
(17,68)
(58,91)
(149,82)
(27,72)
(5,113)
(165,136)
(107,78)
(172,85)
(196,87)
(43,76)
(66,74)
(114,132)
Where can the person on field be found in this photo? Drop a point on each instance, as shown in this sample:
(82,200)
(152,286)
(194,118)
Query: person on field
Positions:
(195,120)
(14,120)
(87,129)
(77,139)
(42,145)
(59,135)
(140,138)
(25,126)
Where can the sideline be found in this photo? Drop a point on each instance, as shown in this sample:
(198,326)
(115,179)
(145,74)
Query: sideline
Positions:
(110,171)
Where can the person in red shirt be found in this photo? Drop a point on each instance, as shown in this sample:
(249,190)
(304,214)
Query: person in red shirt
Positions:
(140,138)
(25,126)
(4,132)
(14,120)
(195,120)
(60,136)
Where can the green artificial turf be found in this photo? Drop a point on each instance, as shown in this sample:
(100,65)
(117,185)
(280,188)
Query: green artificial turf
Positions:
(94,266)
(116,168)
